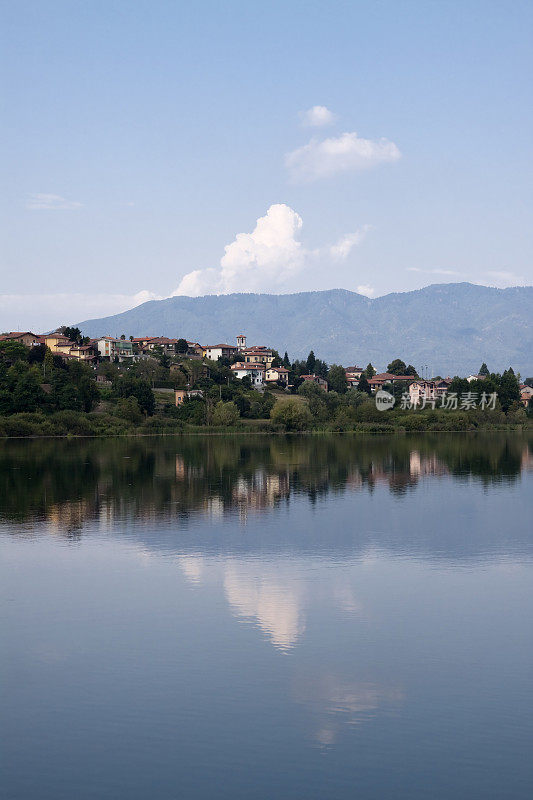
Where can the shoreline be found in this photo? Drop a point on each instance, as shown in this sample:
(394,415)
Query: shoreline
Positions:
(234,432)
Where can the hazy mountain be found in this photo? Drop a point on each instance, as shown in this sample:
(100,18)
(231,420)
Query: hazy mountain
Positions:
(451,327)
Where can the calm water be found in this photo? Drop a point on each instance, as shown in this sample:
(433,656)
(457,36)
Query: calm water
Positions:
(271,617)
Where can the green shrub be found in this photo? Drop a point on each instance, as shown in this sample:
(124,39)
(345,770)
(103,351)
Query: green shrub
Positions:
(291,415)
(225,414)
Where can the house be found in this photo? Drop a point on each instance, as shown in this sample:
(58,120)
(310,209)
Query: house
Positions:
(58,343)
(110,348)
(216,351)
(82,352)
(476,378)
(195,350)
(186,394)
(526,393)
(441,386)
(422,390)
(315,379)
(256,373)
(25,337)
(378,381)
(277,374)
(352,375)
(258,354)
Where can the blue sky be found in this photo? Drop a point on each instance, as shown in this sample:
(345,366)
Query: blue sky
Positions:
(145,141)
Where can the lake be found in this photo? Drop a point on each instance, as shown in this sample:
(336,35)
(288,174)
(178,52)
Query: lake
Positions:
(313,617)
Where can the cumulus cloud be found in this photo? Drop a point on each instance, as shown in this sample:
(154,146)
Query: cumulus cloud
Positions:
(317,117)
(50,202)
(368,291)
(266,258)
(269,258)
(41,312)
(345,153)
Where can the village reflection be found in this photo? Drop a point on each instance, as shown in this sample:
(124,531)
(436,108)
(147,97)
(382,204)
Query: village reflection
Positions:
(69,484)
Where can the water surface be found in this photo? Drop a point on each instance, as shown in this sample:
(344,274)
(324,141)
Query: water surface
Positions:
(267,617)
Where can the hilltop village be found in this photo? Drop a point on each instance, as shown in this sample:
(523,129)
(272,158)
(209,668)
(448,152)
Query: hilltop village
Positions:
(63,382)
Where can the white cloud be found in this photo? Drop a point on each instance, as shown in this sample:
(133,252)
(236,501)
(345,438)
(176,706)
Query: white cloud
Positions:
(503,279)
(317,117)
(42,312)
(347,152)
(434,271)
(50,202)
(265,259)
(368,291)
(342,249)
(269,259)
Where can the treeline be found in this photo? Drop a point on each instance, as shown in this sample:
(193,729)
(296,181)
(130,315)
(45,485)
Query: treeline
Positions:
(42,394)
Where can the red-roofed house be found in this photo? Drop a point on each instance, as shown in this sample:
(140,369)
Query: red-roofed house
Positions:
(25,337)
(315,379)
(256,373)
(378,381)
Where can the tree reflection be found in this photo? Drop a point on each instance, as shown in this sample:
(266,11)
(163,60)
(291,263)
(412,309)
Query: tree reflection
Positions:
(67,483)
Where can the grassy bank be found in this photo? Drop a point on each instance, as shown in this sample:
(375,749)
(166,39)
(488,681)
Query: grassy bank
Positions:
(77,423)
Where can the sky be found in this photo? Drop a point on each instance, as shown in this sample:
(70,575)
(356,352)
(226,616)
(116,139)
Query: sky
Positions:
(158,148)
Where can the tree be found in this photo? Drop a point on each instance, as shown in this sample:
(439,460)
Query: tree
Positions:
(48,364)
(354,397)
(11,352)
(363,385)
(310,389)
(286,362)
(529,382)
(27,394)
(276,359)
(225,414)
(128,408)
(310,364)
(182,346)
(337,379)
(321,369)
(88,393)
(129,386)
(292,415)
(483,370)
(123,337)
(37,354)
(410,370)
(397,367)
(74,334)
(369,371)
(509,390)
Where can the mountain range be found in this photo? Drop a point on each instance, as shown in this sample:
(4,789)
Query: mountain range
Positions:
(452,328)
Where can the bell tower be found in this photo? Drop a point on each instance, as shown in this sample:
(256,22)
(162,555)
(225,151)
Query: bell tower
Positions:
(241,342)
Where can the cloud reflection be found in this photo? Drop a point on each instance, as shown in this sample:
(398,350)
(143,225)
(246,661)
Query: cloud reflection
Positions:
(335,701)
(276,604)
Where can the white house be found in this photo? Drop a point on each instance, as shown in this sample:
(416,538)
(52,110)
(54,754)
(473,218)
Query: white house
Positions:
(216,351)
(111,348)
(256,373)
